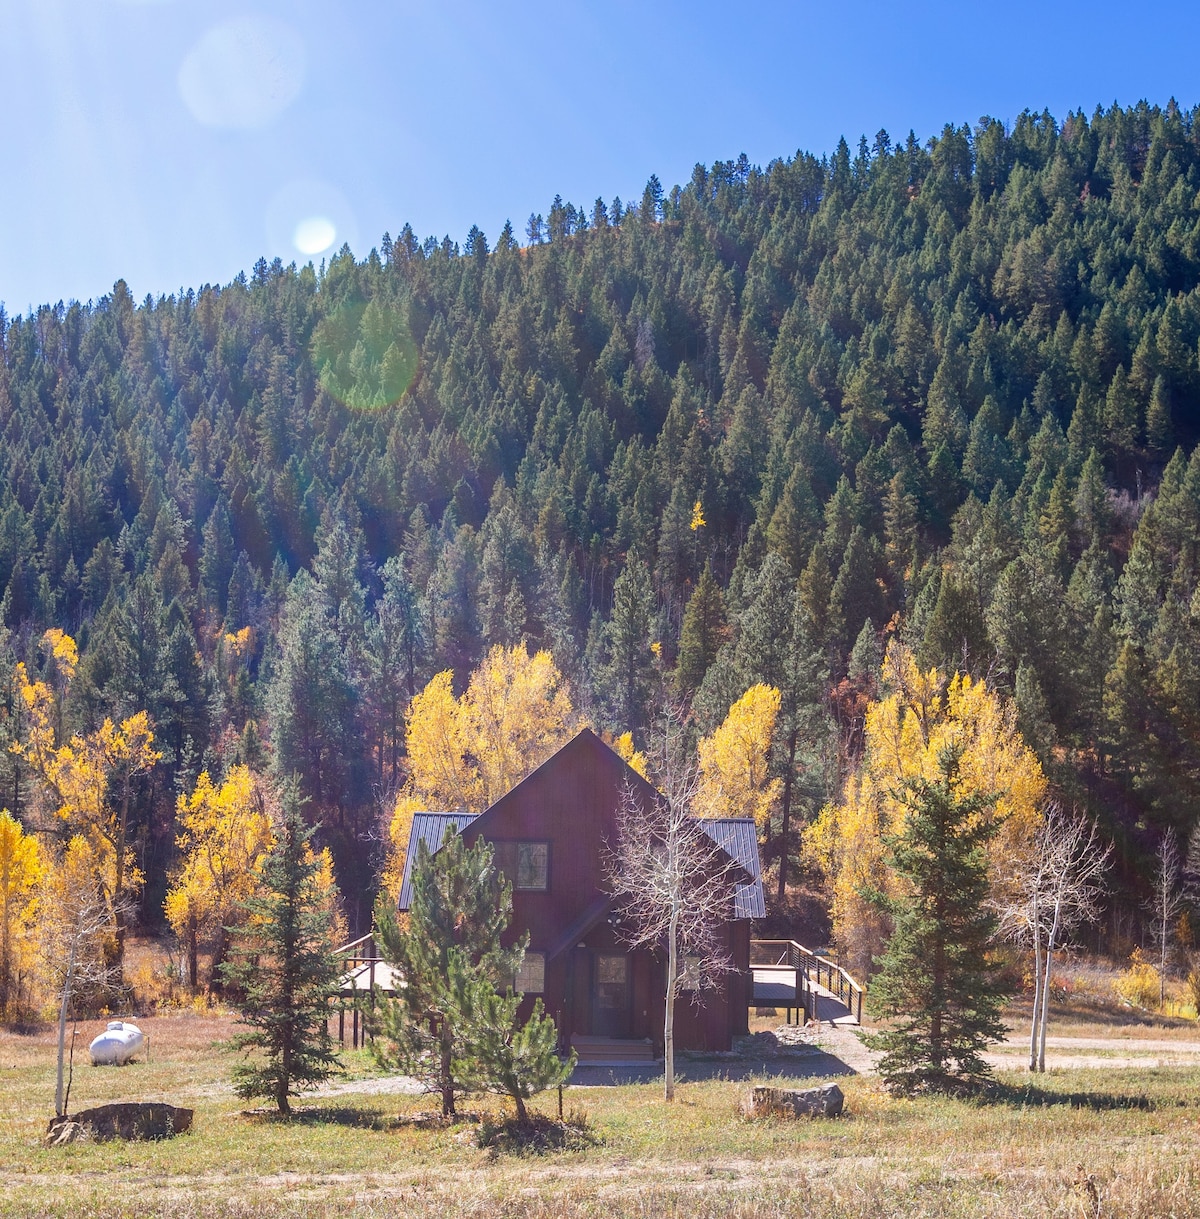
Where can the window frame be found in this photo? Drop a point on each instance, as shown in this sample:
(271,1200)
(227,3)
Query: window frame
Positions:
(517,844)
(518,988)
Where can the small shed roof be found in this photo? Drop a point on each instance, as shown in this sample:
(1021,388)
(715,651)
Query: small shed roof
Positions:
(429,828)
(738,838)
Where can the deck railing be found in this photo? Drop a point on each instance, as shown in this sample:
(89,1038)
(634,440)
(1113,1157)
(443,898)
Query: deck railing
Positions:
(811,969)
(351,956)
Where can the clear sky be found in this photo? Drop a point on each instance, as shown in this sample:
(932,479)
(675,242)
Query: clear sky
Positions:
(173,142)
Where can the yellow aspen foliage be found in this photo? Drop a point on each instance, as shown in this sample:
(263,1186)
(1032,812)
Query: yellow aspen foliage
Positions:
(515,714)
(904,733)
(698,521)
(224,833)
(21,869)
(328,894)
(633,758)
(68,905)
(465,753)
(88,780)
(735,779)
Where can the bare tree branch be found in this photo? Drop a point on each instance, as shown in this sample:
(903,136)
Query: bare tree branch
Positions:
(1166,902)
(674,886)
(1057,890)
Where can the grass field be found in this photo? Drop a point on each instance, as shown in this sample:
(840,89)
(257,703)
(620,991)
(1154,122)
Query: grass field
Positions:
(348,1154)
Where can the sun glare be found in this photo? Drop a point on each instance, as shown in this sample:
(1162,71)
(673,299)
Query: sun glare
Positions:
(243,73)
(314,235)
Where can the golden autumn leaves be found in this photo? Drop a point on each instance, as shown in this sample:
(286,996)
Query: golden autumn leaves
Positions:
(906,730)
(465,752)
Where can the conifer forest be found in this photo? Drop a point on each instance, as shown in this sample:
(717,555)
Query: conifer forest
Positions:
(764,428)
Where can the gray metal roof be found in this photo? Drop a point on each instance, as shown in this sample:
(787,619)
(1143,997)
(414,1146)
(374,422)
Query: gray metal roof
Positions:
(429,828)
(738,838)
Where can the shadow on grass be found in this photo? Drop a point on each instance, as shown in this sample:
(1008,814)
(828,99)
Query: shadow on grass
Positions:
(337,1115)
(1021,1096)
(813,1064)
(540,1134)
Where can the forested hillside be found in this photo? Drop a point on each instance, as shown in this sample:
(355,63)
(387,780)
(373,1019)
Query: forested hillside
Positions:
(946,391)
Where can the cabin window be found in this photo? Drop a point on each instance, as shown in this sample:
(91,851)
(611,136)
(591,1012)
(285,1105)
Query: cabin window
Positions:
(531,977)
(526,864)
(689,973)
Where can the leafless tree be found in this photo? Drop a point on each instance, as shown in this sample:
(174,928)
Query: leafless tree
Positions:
(1166,903)
(673,884)
(1057,890)
(72,930)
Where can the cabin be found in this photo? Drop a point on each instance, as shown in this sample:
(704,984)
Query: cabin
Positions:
(550,836)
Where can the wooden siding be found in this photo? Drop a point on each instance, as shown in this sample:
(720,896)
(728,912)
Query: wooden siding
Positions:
(571,801)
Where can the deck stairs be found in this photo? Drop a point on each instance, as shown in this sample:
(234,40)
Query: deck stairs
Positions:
(612,1051)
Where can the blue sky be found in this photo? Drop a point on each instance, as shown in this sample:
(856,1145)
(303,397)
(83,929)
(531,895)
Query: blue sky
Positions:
(173,142)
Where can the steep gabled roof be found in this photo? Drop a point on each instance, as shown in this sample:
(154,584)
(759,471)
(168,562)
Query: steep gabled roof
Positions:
(429,828)
(738,838)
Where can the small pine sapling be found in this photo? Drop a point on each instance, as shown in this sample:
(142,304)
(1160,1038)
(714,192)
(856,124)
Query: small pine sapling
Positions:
(449,947)
(512,1059)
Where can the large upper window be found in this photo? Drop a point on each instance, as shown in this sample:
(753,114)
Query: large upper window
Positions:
(526,864)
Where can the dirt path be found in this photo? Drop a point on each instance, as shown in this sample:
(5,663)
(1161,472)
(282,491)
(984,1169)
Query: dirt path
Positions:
(1085,1053)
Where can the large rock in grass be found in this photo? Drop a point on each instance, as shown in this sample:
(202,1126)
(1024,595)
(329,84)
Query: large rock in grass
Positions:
(123,1121)
(807,1102)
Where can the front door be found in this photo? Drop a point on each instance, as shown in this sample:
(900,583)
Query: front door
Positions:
(610,996)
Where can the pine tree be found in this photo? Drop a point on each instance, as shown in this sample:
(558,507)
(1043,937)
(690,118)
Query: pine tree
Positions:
(702,631)
(508,1057)
(284,967)
(451,946)
(935,980)
(1159,434)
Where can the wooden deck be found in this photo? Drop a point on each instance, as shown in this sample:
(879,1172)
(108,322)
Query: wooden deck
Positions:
(788,975)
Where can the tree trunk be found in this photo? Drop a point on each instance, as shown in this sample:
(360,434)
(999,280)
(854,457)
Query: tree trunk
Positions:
(193,956)
(119,885)
(1051,940)
(68,981)
(522,1112)
(447,1078)
(669,1019)
(1037,985)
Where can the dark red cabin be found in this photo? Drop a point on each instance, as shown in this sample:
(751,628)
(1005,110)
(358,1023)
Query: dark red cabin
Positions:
(549,834)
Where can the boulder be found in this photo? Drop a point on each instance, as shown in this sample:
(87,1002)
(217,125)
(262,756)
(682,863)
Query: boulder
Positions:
(121,1121)
(807,1102)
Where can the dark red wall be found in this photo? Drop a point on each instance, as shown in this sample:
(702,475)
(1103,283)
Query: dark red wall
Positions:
(571,801)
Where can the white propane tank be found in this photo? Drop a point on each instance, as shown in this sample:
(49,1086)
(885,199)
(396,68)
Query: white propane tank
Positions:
(116,1045)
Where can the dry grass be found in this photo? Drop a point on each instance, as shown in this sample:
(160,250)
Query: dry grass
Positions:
(347,1155)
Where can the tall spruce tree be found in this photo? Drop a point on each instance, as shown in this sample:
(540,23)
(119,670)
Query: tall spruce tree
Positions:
(935,980)
(284,967)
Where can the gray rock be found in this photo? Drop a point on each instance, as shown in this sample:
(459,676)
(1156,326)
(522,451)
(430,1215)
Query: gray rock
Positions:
(807,1102)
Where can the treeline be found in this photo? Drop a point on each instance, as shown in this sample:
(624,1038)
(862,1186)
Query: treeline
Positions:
(738,432)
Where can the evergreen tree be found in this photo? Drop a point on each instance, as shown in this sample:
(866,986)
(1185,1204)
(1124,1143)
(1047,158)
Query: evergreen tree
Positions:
(624,673)
(283,966)
(449,948)
(935,981)
(701,635)
(513,1058)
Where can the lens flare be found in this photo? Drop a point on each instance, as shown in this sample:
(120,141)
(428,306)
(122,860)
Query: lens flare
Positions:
(243,73)
(364,353)
(310,218)
(314,235)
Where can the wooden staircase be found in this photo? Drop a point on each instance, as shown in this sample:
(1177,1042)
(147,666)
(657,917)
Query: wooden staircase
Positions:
(612,1051)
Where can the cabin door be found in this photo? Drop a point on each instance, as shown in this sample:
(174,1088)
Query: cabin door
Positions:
(610,995)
